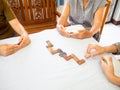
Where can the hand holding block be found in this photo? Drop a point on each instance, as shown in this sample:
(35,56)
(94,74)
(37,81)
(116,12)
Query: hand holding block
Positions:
(77,59)
(87,55)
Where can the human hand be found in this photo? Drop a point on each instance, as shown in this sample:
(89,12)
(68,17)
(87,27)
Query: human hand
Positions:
(8,49)
(62,30)
(107,67)
(81,34)
(24,41)
(94,49)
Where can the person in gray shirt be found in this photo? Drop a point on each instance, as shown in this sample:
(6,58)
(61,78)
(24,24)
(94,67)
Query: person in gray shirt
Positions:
(107,65)
(84,12)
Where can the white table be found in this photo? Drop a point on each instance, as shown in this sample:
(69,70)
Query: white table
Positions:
(34,68)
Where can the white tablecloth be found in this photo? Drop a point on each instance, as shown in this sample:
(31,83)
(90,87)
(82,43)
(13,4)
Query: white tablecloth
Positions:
(35,68)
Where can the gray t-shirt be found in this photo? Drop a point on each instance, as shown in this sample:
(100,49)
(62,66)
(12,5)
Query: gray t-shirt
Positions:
(81,15)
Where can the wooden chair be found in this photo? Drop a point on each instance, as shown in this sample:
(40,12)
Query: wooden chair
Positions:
(105,15)
(35,15)
(38,15)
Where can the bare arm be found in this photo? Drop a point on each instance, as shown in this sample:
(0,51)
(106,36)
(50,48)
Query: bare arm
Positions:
(110,49)
(114,79)
(24,39)
(97,20)
(8,49)
(62,22)
(95,27)
(17,26)
(100,50)
(64,16)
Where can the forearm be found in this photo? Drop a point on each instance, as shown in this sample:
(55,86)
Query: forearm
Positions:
(95,28)
(110,49)
(64,17)
(17,27)
(62,21)
(97,20)
(115,80)
(24,38)
(8,49)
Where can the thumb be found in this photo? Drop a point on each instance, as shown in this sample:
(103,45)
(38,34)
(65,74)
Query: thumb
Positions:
(95,54)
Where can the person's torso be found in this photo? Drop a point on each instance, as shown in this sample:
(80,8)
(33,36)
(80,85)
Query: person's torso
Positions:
(5,28)
(81,15)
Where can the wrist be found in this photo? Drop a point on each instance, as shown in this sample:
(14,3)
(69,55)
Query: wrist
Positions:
(91,33)
(111,77)
(110,49)
(105,49)
(58,27)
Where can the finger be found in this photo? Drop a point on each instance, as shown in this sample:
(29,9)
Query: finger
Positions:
(62,27)
(88,50)
(103,62)
(91,50)
(95,54)
(94,50)
(103,59)
(110,62)
(80,31)
(90,47)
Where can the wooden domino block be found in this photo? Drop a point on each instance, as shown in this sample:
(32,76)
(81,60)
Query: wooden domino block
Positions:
(50,49)
(55,51)
(77,59)
(68,57)
(49,44)
(62,54)
(81,61)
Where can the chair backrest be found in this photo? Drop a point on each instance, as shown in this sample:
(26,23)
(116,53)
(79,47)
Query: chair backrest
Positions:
(33,12)
(105,15)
